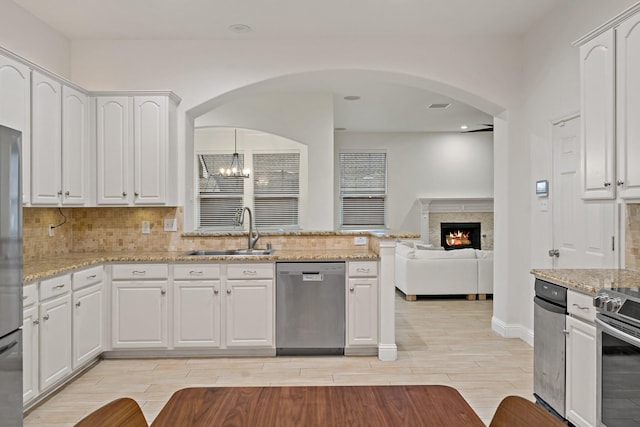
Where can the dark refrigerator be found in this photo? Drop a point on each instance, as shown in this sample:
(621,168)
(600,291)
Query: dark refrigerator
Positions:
(10,278)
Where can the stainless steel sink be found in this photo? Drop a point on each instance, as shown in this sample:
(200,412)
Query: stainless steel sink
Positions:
(226,252)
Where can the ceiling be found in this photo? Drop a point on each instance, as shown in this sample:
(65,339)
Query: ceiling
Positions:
(383,106)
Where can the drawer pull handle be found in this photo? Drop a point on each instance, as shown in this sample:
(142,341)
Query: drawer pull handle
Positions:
(58,287)
(249,272)
(580,307)
(195,273)
(139,272)
(362,270)
(93,276)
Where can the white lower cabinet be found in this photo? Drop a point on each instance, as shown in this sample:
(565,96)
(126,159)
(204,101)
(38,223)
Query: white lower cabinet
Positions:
(88,324)
(196,306)
(362,304)
(30,336)
(55,340)
(581,373)
(139,314)
(249,305)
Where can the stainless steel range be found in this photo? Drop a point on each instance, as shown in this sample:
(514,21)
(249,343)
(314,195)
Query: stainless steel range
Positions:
(618,363)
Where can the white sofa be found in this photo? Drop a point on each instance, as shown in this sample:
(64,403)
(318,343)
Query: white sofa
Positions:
(424,270)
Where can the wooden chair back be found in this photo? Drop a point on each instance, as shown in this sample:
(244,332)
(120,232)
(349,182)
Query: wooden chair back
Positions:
(515,411)
(124,412)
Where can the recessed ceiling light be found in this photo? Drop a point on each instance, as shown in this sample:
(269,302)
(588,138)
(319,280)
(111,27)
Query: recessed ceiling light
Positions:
(439,106)
(240,28)
(352,97)
(464,127)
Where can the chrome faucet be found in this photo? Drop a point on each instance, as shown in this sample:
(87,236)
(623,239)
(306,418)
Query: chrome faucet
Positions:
(239,220)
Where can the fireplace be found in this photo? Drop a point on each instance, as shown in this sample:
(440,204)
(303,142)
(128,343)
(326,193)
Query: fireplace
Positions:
(460,235)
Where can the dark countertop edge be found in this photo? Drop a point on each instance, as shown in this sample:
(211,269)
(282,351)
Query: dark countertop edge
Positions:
(74,263)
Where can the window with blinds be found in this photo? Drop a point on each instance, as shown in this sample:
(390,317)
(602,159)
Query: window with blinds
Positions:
(276,190)
(363,190)
(274,185)
(219,197)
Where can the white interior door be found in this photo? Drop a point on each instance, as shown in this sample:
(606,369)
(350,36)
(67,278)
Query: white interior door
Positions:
(583,230)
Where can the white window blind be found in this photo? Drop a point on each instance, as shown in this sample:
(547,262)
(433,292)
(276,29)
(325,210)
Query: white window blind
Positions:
(363,189)
(276,189)
(219,197)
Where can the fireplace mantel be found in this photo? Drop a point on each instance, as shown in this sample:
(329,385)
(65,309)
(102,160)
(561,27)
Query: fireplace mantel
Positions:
(480,204)
(445,205)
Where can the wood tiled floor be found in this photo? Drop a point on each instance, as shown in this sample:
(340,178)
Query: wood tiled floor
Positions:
(440,341)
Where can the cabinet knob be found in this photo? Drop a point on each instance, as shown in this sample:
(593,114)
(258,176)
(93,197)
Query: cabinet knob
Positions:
(45,317)
(620,182)
(351,289)
(60,193)
(215,292)
(228,291)
(124,194)
(67,193)
(136,194)
(607,184)
(78,304)
(163,292)
(36,322)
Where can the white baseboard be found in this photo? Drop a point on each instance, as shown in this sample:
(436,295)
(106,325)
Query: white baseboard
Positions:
(387,352)
(512,330)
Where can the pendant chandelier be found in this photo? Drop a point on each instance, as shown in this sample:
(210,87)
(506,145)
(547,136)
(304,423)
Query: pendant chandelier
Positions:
(235,169)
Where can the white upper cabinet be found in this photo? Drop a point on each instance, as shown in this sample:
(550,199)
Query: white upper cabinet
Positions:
(597,73)
(46,155)
(114,150)
(628,107)
(75,146)
(136,146)
(610,103)
(15,111)
(60,145)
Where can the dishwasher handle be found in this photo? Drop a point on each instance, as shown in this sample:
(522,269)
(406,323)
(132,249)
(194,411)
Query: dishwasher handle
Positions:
(549,306)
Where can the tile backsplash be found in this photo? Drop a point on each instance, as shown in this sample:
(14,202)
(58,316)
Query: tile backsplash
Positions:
(632,237)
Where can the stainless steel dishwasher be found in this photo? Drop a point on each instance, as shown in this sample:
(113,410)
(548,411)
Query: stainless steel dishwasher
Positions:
(549,326)
(310,308)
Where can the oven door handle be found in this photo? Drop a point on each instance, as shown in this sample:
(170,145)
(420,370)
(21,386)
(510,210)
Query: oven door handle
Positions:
(617,333)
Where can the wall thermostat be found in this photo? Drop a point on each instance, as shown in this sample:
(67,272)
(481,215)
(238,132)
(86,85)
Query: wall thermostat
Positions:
(542,188)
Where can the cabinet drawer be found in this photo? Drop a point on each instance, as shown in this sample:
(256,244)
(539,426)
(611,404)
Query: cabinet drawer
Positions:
(250,271)
(56,286)
(29,295)
(84,278)
(363,269)
(140,271)
(196,272)
(581,306)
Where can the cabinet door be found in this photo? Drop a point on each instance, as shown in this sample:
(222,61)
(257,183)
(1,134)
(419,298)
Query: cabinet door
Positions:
(362,318)
(196,311)
(249,313)
(88,324)
(597,80)
(114,151)
(30,346)
(581,373)
(75,145)
(139,314)
(55,340)
(151,140)
(628,107)
(15,111)
(46,160)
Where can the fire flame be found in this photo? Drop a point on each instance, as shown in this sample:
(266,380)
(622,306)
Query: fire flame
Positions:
(458,238)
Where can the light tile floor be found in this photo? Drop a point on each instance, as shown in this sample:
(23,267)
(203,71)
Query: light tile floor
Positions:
(440,341)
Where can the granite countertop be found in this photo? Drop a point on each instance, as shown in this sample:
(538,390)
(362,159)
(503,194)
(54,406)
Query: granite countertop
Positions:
(41,269)
(590,281)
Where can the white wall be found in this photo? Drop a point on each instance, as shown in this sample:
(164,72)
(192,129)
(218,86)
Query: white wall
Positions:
(427,165)
(30,38)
